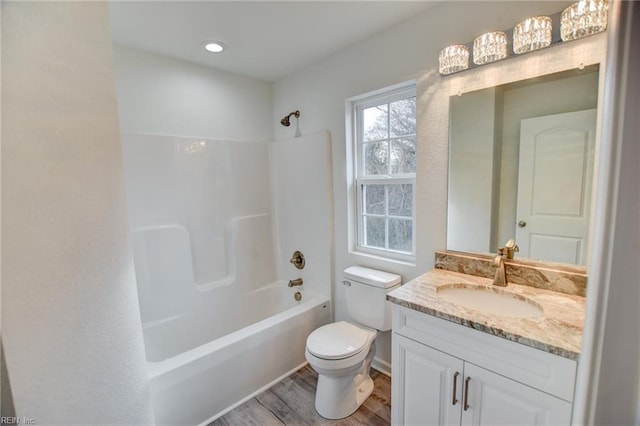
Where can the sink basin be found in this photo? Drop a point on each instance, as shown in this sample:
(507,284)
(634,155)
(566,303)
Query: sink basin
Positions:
(490,300)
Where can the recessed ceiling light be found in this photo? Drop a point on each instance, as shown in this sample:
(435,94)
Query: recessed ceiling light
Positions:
(214,46)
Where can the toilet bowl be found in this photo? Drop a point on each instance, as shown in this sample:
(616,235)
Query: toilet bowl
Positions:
(341,352)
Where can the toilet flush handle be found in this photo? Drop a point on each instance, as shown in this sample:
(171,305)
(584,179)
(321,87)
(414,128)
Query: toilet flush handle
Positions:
(347,283)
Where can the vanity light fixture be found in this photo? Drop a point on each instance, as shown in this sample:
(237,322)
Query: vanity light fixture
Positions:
(584,18)
(581,19)
(532,34)
(489,47)
(214,46)
(453,58)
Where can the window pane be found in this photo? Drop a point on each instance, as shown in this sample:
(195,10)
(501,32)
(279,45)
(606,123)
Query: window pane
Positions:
(374,231)
(373,199)
(403,156)
(374,123)
(400,235)
(401,200)
(376,158)
(403,117)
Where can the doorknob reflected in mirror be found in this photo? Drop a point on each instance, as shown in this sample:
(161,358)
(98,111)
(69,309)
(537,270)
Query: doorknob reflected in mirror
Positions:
(522,224)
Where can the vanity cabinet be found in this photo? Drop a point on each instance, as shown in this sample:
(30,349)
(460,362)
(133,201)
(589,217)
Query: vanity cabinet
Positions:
(447,374)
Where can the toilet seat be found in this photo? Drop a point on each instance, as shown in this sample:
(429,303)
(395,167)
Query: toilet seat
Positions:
(338,340)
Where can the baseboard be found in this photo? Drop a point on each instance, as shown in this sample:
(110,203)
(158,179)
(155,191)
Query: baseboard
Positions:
(382,366)
(254,394)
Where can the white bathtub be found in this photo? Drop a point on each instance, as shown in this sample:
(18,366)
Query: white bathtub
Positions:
(199,371)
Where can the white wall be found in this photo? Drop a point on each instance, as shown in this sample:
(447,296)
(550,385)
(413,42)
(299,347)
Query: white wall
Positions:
(404,52)
(72,334)
(166,96)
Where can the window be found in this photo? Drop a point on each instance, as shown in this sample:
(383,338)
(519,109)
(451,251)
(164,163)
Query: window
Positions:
(385,170)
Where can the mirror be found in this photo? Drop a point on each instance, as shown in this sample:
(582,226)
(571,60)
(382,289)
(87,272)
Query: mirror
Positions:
(521,160)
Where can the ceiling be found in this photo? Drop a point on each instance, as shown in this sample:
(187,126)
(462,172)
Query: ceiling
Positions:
(265,40)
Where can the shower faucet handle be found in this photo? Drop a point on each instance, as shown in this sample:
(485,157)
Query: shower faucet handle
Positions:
(298,259)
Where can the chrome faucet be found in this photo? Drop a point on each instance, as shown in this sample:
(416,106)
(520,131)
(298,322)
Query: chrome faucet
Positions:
(296,282)
(500,278)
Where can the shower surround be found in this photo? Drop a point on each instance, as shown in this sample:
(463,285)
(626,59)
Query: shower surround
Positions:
(213,225)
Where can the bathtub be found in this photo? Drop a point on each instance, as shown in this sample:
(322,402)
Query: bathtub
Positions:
(198,371)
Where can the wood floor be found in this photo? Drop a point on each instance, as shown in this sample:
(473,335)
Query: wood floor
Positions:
(291,402)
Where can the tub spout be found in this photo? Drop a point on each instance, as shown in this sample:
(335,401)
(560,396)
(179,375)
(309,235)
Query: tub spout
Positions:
(296,282)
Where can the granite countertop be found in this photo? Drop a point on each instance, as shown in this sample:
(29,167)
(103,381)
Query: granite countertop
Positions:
(558,330)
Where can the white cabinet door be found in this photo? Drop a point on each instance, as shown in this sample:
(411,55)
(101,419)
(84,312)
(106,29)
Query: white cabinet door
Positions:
(426,385)
(494,400)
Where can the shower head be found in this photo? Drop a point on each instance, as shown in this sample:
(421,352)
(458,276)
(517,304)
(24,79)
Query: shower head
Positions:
(285,121)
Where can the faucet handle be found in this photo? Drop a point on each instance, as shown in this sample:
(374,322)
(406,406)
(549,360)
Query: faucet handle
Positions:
(298,259)
(511,248)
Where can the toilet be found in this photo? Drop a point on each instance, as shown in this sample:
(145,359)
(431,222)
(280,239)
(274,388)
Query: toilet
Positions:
(341,352)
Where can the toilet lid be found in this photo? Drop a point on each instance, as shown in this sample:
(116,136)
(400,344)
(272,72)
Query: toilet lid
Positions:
(337,340)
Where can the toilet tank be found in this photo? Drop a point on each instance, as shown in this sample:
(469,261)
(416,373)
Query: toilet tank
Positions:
(366,295)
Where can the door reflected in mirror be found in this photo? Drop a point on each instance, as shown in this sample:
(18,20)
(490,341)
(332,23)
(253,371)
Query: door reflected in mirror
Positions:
(521,166)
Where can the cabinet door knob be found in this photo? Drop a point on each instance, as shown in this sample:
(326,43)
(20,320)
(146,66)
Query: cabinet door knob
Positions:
(466,393)
(522,224)
(454,401)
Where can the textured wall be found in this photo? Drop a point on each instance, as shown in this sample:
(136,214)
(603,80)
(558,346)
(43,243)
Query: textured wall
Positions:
(72,335)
